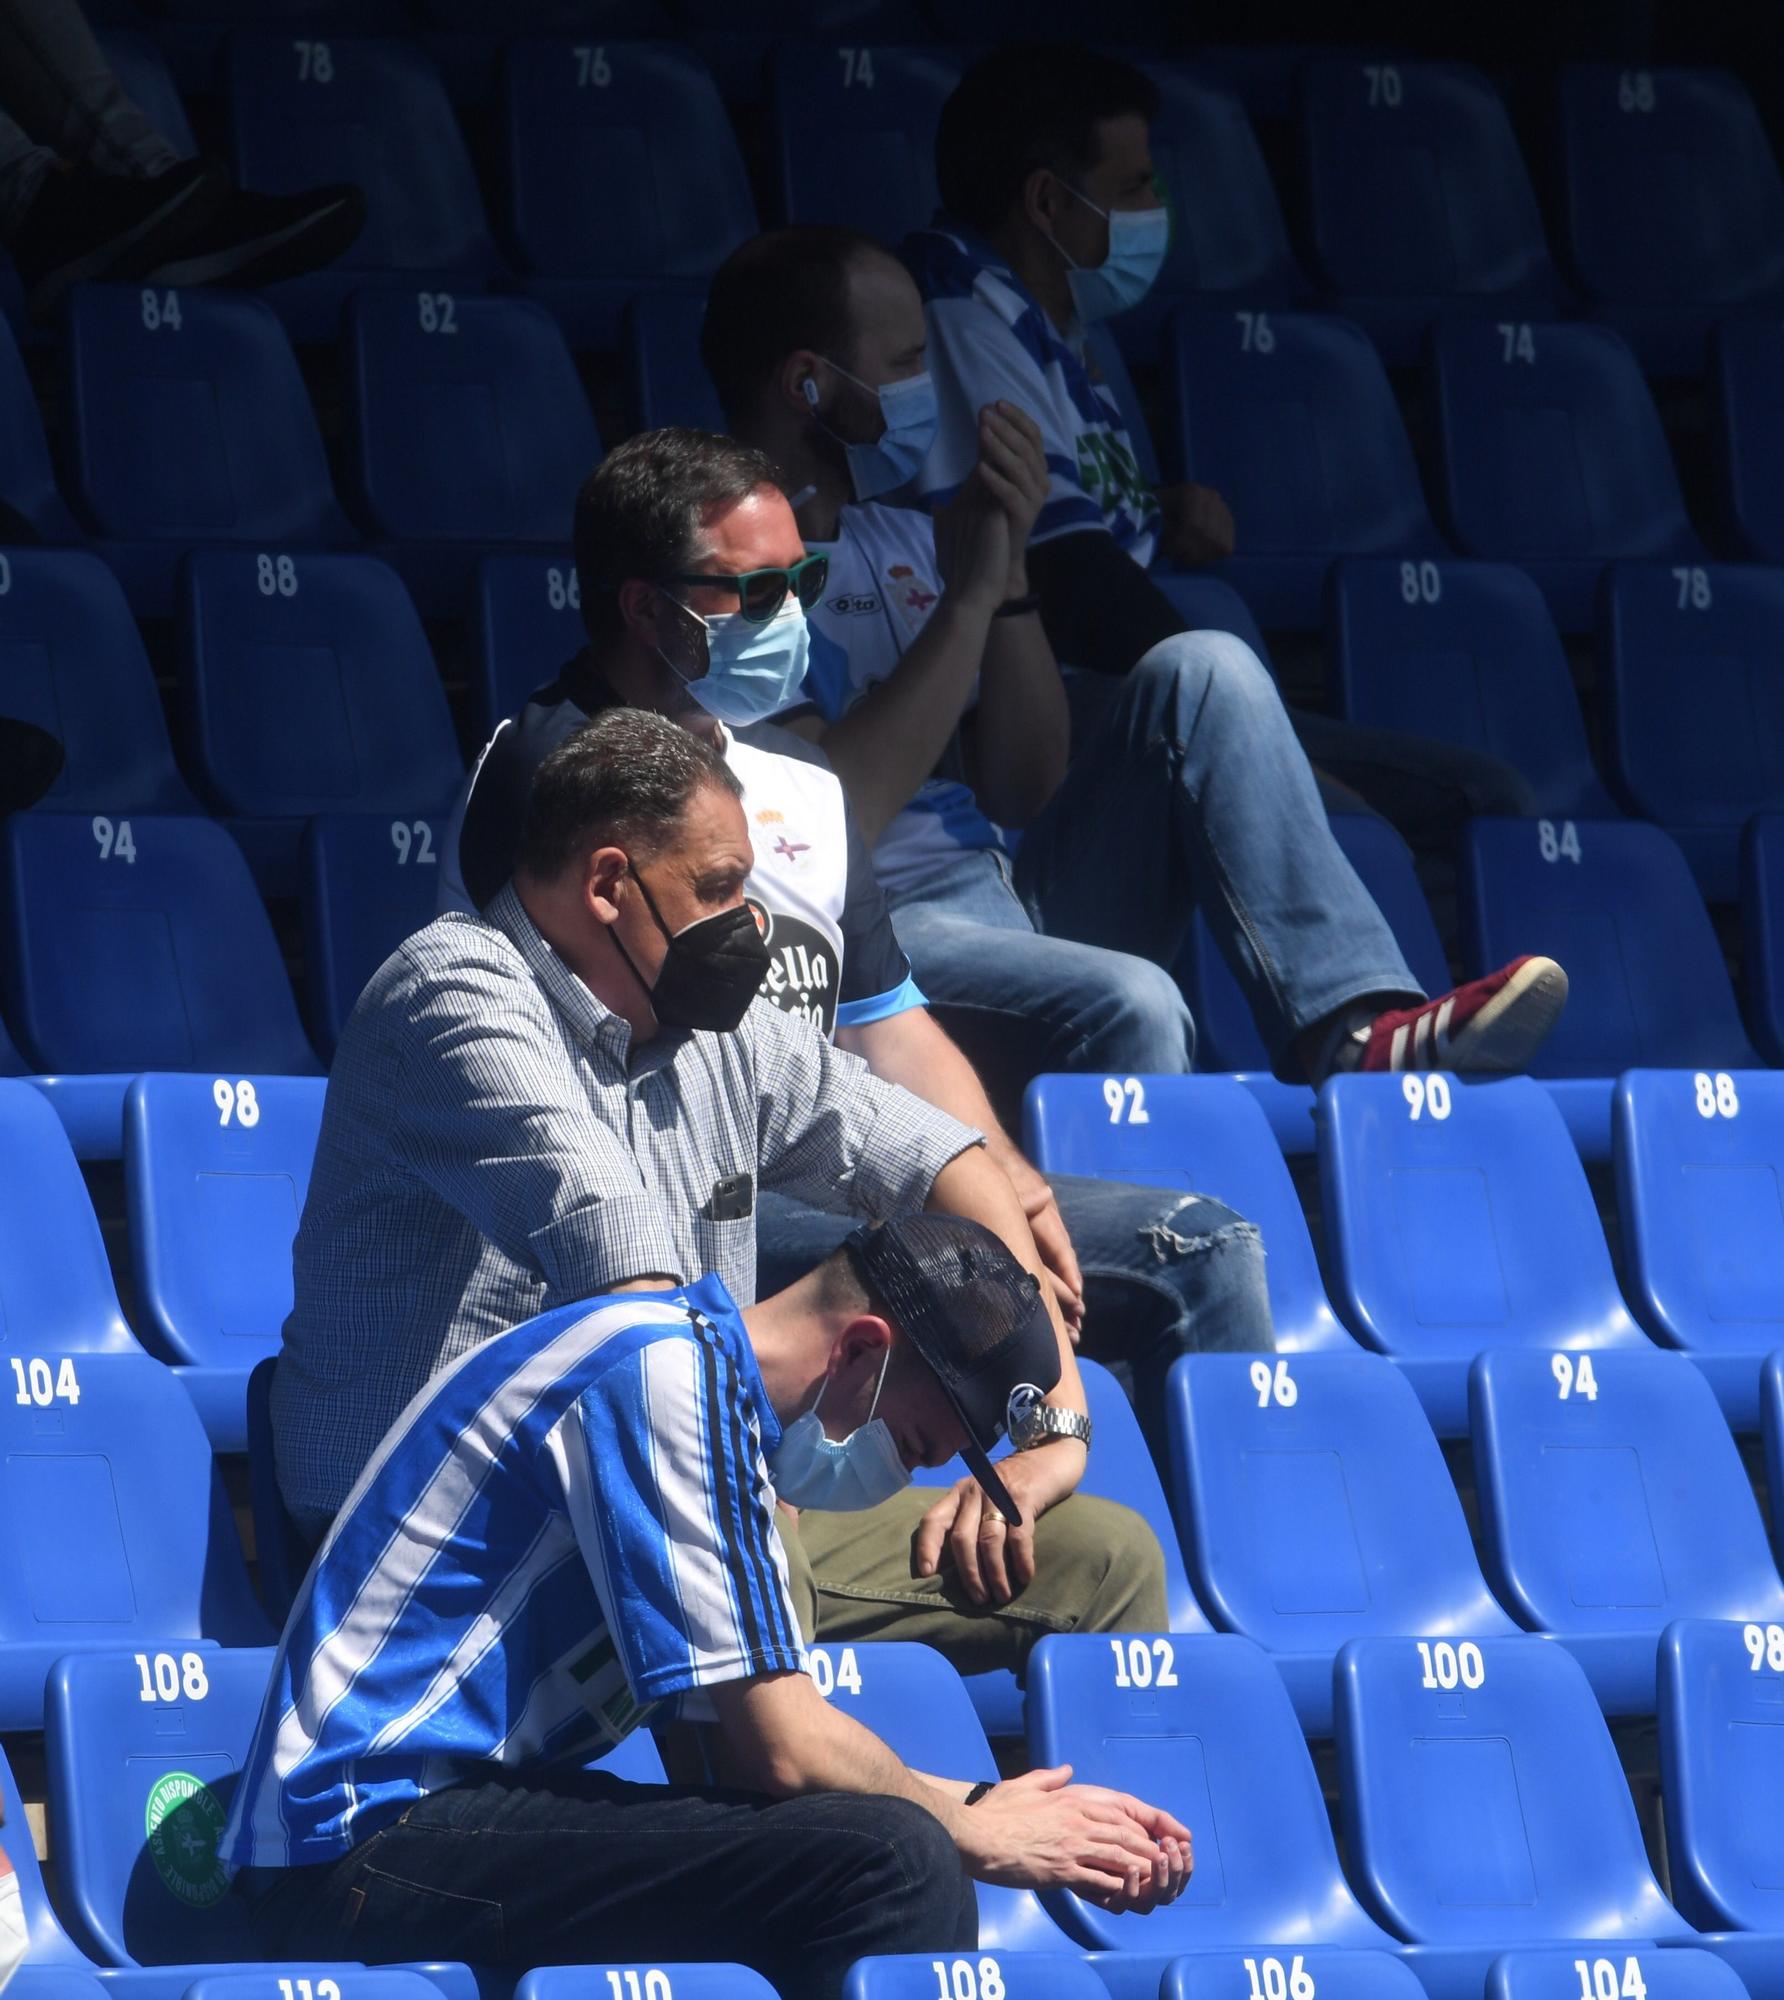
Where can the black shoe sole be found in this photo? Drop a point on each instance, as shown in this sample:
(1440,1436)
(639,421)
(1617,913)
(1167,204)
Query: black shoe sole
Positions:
(136,251)
(307,244)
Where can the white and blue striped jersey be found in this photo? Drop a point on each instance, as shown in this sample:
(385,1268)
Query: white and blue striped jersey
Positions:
(568,1530)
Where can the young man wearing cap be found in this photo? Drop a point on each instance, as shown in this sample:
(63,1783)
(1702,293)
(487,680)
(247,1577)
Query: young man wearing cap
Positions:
(570,1533)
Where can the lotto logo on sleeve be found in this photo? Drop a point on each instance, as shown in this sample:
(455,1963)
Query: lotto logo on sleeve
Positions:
(184,1823)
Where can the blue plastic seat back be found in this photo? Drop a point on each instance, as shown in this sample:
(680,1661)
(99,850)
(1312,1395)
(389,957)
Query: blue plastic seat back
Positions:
(1699,1160)
(141,1785)
(312,688)
(854,134)
(1746,392)
(1483,1800)
(1669,186)
(27,479)
(1617,906)
(1227,229)
(480,433)
(119,1530)
(1722,1760)
(623,162)
(1269,406)
(189,421)
(1336,1975)
(1203,1728)
(706,1980)
(137,944)
(1550,445)
(72,661)
(1661,1975)
(56,1291)
(306,112)
(373,1982)
(368,883)
(1202,1134)
(528,625)
(1206,604)
(1762,929)
(1021,1975)
(216,1172)
(47,1943)
(666,379)
(140,67)
(1467,653)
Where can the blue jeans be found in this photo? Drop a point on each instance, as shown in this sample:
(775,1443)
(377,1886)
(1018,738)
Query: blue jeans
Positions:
(1190,792)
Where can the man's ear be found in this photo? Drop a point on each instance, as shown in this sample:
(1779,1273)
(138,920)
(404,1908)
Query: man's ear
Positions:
(1041,198)
(799,383)
(639,605)
(865,1334)
(603,871)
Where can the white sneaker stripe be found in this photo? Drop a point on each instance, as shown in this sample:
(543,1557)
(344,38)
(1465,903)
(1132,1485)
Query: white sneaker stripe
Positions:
(1440,1033)
(1397,1049)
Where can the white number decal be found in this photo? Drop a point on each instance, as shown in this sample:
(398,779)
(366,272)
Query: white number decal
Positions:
(235,1099)
(1694,589)
(5,575)
(1126,1099)
(166,1679)
(1277,1385)
(275,576)
(1573,1377)
(417,841)
(830,1674)
(1598,1980)
(1562,847)
(653,1986)
(1716,1096)
(1446,1665)
(308,1989)
(1136,1658)
(960,1979)
(1635,90)
(1270,1982)
(1764,1642)
(563,589)
(1520,342)
(1384,85)
(37,1385)
(1421,582)
(438,310)
(593,70)
(1426,1093)
(857,68)
(161,310)
(315,62)
(1256,334)
(115,843)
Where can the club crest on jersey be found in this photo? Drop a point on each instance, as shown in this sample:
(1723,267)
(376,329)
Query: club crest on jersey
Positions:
(790,850)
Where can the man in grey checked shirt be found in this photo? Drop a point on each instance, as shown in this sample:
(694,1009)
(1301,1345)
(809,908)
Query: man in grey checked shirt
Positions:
(515,1121)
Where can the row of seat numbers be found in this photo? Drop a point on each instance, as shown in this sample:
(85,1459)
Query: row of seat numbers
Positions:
(166,1679)
(1599,1981)
(1765,1647)
(961,1979)
(35,1383)
(1272,1980)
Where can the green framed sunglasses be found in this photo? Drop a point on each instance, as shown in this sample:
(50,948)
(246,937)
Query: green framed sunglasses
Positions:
(762,592)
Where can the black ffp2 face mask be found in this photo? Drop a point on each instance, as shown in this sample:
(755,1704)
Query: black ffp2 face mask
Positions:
(712,971)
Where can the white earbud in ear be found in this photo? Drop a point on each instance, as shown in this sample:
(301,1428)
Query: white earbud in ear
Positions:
(810,391)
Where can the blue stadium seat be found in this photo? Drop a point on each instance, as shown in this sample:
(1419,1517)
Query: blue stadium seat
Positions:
(1484,1806)
(1419,202)
(1611,1505)
(1021,1975)
(118,1528)
(368,882)
(47,1945)
(1678,1974)
(705,1980)
(1467,653)
(377,1982)
(1692,661)
(310,689)
(1336,1975)
(142,69)
(72,661)
(1315,1507)
(1204,1727)
(1616,905)
(136,944)
(462,439)
(1205,604)
(1746,395)
(1203,1134)
(1267,404)
(666,381)
(215,1175)
(27,479)
(854,134)
(1674,206)
(1762,930)
(1552,456)
(528,626)
(188,421)
(305,112)
(624,173)
(1699,1158)
(1458,1218)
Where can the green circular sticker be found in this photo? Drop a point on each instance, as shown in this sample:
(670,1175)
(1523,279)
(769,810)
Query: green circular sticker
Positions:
(184,1822)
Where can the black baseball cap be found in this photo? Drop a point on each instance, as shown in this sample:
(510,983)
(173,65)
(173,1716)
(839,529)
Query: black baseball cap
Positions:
(975,1316)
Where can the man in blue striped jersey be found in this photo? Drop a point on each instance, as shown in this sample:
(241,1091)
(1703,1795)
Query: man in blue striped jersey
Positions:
(570,1532)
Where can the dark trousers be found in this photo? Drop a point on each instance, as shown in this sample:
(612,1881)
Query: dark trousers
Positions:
(580,1868)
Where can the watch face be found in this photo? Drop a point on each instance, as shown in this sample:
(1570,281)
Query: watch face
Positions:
(1022,1410)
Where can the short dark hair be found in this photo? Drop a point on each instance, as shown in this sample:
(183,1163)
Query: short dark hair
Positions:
(641,510)
(1033,105)
(625,777)
(787,289)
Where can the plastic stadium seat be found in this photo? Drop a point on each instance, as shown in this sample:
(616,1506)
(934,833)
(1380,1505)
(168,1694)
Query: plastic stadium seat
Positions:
(311,689)
(1762,929)
(1467,653)
(913,1700)
(1021,1975)
(367,884)
(1613,1505)
(1336,1975)
(188,421)
(378,1982)
(215,1173)
(1616,905)
(1315,1507)
(471,432)
(1457,1219)
(1484,1806)
(1204,1728)
(1746,394)
(528,622)
(305,112)
(1700,1157)
(1205,604)
(704,1980)
(1675,210)
(1677,1974)
(27,479)
(854,134)
(1270,406)
(1419,202)
(1552,456)
(119,1530)
(138,944)
(148,83)
(666,381)
(624,172)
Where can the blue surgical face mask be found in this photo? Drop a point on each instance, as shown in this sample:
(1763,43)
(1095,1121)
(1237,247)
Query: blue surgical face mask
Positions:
(812,1470)
(895,457)
(1138,240)
(752,671)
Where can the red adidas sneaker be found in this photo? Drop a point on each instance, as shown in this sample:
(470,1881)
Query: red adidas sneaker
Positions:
(1492,1024)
